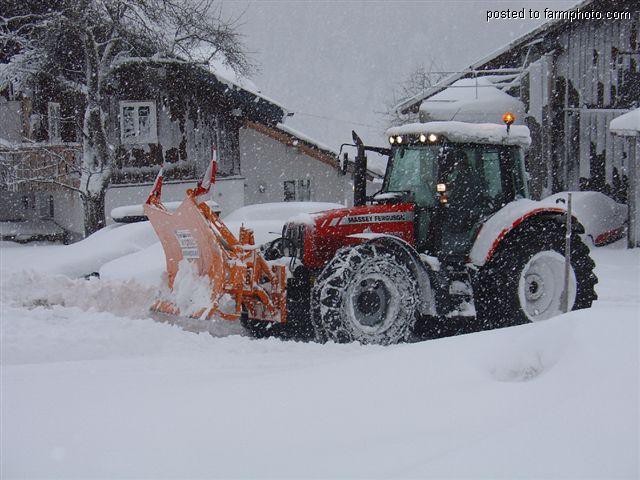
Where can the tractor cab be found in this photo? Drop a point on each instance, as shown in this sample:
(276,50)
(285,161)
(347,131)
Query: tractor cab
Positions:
(454,185)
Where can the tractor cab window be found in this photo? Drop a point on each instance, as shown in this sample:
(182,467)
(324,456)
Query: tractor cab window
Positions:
(414,171)
(480,179)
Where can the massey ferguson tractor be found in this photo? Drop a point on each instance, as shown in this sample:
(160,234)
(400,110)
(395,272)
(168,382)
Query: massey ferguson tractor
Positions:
(451,235)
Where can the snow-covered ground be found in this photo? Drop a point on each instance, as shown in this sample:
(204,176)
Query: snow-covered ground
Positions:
(91,387)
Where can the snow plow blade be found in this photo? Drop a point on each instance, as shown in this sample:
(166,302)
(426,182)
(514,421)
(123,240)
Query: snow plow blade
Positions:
(212,274)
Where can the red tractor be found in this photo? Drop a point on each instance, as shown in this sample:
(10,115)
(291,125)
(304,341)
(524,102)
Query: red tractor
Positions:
(451,235)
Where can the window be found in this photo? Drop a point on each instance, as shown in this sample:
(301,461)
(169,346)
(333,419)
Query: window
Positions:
(304,191)
(289,191)
(138,122)
(297,191)
(53,114)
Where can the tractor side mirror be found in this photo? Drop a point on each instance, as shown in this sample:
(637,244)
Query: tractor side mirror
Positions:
(345,163)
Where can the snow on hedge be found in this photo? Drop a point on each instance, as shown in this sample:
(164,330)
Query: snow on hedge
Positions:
(462,132)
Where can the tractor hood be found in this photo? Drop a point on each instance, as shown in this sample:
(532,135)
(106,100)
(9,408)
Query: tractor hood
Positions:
(326,232)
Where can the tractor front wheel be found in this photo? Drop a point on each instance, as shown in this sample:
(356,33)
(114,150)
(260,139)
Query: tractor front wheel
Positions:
(364,294)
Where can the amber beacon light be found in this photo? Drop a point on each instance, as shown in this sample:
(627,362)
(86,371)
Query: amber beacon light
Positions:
(508,118)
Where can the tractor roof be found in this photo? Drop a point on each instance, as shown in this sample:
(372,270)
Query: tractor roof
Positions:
(462,132)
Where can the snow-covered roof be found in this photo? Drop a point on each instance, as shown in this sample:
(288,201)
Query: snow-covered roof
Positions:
(525,39)
(305,138)
(627,124)
(471,100)
(227,75)
(490,133)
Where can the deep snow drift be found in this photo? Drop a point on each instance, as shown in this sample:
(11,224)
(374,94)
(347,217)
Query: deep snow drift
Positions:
(92,387)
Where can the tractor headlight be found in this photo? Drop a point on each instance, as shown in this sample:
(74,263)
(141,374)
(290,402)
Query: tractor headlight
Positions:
(441,187)
(433,137)
(423,137)
(392,140)
(399,139)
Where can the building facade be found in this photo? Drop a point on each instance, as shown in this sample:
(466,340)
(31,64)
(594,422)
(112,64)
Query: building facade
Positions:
(573,78)
(160,114)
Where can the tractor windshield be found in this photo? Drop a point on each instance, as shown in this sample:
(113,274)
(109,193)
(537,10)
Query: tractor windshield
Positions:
(414,171)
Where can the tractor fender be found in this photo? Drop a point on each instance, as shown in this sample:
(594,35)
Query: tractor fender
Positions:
(411,258)
(498,226)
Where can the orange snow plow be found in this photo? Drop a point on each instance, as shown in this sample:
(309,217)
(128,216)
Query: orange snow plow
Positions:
(211,273)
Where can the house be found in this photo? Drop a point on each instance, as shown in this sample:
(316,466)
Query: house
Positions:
(160,113)
(628,127)
(572,76)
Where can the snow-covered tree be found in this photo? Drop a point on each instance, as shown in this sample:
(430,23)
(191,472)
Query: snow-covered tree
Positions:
(420,79)
(80,44)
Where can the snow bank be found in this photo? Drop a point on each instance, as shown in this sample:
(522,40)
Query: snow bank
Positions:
(145,267)
(491,133)
(81,258)
(497,404)
(30,289)
(89,393)
(267,219)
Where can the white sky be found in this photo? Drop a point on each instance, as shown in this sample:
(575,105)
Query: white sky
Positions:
(339,60)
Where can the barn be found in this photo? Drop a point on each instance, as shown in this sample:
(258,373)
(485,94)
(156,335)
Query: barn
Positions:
(572,76)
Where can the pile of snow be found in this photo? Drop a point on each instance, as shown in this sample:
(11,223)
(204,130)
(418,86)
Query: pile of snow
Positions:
(135,213)
(82,258)
(26,230)
(191,292)
(627,124)
(267,219)
(471,100)
(554,399)
(461,132)
(31,289)
(602,217)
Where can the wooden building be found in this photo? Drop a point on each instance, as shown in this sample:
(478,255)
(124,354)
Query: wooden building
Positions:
(574,77)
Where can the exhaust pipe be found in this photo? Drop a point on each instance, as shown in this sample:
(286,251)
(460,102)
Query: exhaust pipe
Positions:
(359,173)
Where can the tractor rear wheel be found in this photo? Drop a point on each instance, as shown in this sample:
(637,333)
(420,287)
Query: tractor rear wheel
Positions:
(364,294)
(524,281)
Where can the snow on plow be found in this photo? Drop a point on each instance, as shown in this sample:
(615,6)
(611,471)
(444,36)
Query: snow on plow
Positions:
(211,273)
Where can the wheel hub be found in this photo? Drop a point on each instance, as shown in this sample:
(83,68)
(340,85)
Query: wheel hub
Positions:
(371,299)
(541,286)
(534,286)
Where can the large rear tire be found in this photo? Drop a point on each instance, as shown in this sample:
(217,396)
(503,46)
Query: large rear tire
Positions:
(524,281)
(365,294)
